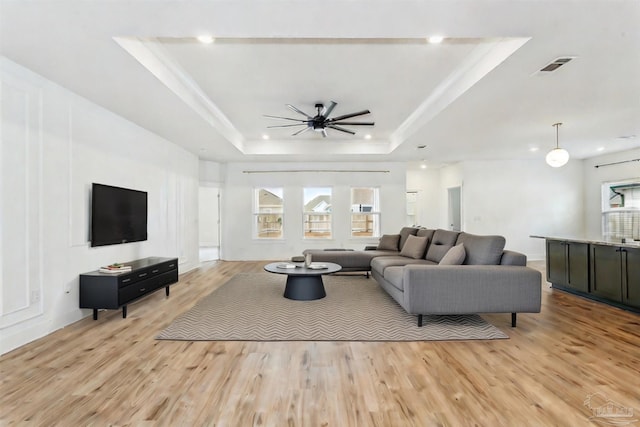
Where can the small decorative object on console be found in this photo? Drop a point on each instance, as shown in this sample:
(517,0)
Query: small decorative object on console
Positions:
(115,268)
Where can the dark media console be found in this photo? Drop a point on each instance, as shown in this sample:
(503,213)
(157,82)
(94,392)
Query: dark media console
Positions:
(114,290)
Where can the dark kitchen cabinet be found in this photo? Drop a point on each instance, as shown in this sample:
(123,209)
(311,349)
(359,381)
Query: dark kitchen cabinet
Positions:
(568,264)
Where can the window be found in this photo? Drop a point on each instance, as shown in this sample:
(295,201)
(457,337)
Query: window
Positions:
(365,212)
(268,213)
(317,213)
(621,210)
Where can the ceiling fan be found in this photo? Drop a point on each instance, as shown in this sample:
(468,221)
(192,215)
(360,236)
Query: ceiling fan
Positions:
(321,121)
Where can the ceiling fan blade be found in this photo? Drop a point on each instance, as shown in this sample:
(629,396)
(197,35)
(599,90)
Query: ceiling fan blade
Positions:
(286,126)
(341,129)
(298,111)
(301,131)
(284,118)
(354,123)
(348,116)
(326,111)
(324,133)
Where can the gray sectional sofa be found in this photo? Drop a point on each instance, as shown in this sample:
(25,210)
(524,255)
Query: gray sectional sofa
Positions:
(446,272)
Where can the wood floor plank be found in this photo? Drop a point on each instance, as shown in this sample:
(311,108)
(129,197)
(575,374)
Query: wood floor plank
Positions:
(113,372)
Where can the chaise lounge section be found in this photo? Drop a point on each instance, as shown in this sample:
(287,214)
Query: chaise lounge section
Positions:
(354,261)
(447,272)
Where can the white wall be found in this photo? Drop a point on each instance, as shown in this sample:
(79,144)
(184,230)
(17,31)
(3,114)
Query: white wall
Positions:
(426,182)
(593,179)
(211,172)
(513,198)
(519,198)
(54,145)
(237,240)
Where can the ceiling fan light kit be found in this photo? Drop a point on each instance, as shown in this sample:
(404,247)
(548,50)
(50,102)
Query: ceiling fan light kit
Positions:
(557,157)
(321,121)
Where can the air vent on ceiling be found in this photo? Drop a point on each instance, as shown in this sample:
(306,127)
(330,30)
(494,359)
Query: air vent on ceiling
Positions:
(556,63)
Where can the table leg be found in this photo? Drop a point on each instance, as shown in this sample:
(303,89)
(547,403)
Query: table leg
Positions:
(304,288)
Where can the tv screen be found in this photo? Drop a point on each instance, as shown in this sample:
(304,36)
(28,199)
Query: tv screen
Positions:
(118,215)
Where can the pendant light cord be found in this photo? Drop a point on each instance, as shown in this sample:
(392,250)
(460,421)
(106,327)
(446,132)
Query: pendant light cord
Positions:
(557,125)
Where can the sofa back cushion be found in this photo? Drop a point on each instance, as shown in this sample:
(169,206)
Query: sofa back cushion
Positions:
(415,247)
(405,232)
(482,250)
(389,242)
(441,242)
(425,232)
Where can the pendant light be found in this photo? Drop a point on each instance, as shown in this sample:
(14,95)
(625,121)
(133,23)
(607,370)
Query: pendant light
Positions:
(558,156)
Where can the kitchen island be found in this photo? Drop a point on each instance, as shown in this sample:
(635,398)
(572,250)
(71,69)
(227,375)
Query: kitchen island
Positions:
(603,270)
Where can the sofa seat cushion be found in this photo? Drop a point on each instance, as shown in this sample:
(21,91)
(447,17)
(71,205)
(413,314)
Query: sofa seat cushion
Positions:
(415,247)
(354,260)
(482,250)
(441,242)
(394,276)
(381,263)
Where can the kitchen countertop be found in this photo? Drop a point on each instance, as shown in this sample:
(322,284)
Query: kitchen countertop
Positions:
(602,241)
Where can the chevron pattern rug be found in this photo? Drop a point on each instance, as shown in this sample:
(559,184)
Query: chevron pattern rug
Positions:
(250,307)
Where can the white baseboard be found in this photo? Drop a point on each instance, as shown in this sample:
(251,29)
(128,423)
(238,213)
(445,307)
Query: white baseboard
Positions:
(38,328)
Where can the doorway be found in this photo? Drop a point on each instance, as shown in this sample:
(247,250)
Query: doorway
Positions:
(455,208)
(209,221)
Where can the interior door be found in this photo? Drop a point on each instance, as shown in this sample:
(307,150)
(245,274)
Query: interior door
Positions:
(455,207)
(209,221)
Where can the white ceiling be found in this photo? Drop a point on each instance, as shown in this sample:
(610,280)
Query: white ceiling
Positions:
(477,95)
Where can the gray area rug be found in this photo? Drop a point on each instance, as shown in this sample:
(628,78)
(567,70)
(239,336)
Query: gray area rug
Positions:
(250,307)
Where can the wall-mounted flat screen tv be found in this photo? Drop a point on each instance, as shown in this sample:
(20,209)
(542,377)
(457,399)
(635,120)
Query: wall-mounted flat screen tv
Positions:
(118,215)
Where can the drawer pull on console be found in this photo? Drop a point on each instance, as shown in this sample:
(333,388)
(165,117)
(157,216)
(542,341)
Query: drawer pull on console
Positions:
(155,271)
(143,289)
(142,274)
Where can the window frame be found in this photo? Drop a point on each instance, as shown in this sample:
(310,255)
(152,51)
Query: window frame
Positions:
(374,212)
(256,214)
(306,233)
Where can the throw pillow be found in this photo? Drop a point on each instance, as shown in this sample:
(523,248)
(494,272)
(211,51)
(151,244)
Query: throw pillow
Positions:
(454,256)
(414,247)
(389,242)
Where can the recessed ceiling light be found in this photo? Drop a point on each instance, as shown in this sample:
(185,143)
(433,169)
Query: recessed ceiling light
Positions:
(423,166)
(367,136)
(600,149)
(206,39)
(533,149)
(435,39)
(265,136)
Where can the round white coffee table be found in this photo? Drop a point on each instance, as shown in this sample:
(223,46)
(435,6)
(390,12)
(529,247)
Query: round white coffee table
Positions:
(303,283)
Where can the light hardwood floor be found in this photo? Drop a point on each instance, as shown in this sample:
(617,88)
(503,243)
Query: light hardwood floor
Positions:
(113,372)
